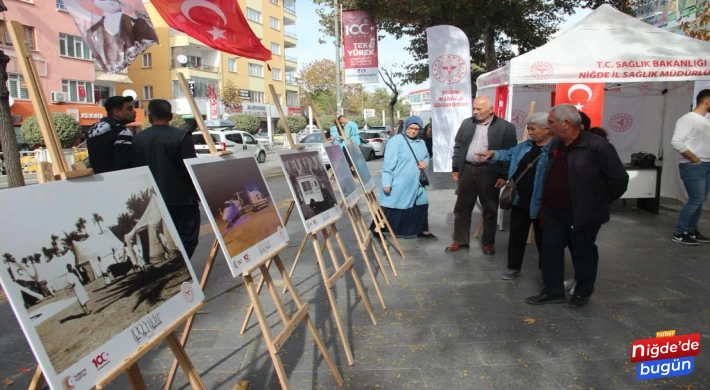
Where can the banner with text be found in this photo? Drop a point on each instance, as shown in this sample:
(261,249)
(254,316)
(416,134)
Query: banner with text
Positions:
(360,47)
(450,89)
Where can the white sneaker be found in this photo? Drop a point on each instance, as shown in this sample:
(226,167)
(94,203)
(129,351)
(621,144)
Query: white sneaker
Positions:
(569,285)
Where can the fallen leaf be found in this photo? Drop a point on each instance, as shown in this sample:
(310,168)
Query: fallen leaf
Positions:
(8,381)
(529,320)
(242,385)
(24,370)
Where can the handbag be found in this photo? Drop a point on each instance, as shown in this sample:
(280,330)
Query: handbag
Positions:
(510,190)
(423,179)
(643,159)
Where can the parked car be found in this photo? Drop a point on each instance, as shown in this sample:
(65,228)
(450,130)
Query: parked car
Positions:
(367,150)
(377,137)
(235,140)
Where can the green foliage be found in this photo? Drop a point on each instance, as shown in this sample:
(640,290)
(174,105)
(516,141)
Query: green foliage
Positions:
(295,123)
(360,121)
(67,129)
(246,122)
(696,24)
(375,121)
(177,121)
(326,121)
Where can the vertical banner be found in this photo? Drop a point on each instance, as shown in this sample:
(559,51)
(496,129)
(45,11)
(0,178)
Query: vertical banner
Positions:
(360,47)
(116,32)
(588,98)
(450,89)
(501,101)
(622,121)
(699,86)
(214,107)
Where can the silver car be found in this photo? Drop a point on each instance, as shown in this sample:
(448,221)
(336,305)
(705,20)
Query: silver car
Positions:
(377,137)
(367,150)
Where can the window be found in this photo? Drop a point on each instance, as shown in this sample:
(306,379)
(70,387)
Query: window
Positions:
(256,97)
(201,87)
(274,2)
(275,74)
(275,23)
(60,5)
(78,91)
(292,99)
(194,61)
(253,15)
(147,92)
(29,35)
(15,84)
(75,47)
(249,140)
(426,98)
(147,60)
(256,70)
(236,138)
(232,64)
(101,93)
(275,48)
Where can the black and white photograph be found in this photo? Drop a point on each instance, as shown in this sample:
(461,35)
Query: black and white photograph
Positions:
(343,176)
(311,187)
(87,259)
(363,172)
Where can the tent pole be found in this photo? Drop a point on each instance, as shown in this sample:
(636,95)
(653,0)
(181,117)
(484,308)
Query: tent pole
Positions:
(663,123)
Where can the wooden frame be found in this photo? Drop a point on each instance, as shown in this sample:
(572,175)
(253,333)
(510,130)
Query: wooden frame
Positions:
(59,169)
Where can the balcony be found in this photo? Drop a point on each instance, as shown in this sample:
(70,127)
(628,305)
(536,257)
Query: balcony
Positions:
(291,63)
(290,39)
(290,10)
(207,68)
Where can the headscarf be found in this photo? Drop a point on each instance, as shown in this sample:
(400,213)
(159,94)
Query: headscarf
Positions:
(412,120)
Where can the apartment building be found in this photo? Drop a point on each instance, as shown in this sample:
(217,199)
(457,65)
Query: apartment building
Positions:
(71,81)
(154,75)
(666,14)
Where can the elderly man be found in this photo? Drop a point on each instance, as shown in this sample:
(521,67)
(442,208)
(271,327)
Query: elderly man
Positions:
(478,179)
(584,175)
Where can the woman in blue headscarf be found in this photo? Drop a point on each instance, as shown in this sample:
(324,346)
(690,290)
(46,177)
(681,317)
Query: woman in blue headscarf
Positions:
(403,198)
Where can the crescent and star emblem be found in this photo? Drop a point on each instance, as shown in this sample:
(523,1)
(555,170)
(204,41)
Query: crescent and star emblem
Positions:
(582,87)
(188,5)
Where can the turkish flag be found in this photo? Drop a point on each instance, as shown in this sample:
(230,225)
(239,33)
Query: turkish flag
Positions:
(501,103)
(82,92)
(218,24)
(588,98)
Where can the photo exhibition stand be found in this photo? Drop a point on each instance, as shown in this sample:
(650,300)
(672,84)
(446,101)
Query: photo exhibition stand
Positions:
(479,228)
(59,170)
(329,231)
(274,344)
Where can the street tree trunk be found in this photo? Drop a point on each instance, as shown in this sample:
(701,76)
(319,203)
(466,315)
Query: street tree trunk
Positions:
(489,47)
(8,139)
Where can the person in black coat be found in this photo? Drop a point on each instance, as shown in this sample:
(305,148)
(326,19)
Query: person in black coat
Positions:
(584,176)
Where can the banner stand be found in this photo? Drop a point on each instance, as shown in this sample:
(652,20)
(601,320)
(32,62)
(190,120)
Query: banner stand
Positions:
(59,170)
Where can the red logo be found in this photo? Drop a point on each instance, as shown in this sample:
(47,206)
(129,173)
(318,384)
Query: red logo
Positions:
(101,360)
(621,122)
(449,69)
(188,293)
(246,258)
(542,70)
(519,118)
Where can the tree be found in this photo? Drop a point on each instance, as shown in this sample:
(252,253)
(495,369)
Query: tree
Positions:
(55,244)
(97,221)
(359,121)
(247,122)
(67,129)
(138,203)
(490,25)
(8,258)
(177,121)
(375,121)
(69,240)
(230,96)
(318,79)
(37,258)
(697,25)
(326,121)
(48,253)
(8,138)
(295,123)
(390,81)
(80,225)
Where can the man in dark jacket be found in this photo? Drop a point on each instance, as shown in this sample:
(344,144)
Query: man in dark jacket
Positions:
(163,148)
(109,141)
(584,176)
(478,179)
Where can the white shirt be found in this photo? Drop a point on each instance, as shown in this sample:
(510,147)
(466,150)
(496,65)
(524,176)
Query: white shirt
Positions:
(692,132)
(479,143)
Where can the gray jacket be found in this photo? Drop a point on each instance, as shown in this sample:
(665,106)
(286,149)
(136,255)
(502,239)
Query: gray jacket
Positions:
(501,136)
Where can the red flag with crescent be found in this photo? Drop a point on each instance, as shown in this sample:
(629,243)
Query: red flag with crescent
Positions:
(501,103)
(587,97)
(218,24)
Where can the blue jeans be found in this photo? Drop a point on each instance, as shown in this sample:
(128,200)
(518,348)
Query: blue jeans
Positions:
(696,178)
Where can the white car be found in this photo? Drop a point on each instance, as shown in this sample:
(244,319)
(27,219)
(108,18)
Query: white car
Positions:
(226,138)
(377,137)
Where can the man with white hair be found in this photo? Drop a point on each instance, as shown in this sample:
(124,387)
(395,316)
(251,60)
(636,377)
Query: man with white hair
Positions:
(479,179)
(584,175)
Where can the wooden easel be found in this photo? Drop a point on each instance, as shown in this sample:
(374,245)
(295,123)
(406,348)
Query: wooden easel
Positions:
(531,234)
(59,170)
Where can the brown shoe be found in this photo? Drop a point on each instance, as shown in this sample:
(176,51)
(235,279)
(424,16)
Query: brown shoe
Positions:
(489,250)
(455,247)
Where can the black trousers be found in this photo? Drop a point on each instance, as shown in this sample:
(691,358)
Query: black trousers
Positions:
(187,223)
(519,228)
(476,182)
(582,245)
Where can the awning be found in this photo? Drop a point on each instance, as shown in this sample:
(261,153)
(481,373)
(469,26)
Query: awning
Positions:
(86,114)
(116,77)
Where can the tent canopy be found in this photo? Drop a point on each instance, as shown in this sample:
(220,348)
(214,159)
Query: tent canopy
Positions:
(607,46)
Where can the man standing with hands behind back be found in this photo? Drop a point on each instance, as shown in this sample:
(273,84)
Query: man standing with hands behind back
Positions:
(478,179)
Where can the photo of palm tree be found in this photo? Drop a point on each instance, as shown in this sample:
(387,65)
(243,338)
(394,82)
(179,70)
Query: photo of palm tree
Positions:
(92,269)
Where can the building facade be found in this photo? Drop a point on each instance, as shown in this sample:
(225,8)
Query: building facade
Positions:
(667,14)
(155,74)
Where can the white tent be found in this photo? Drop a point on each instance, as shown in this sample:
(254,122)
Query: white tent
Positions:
(152,221)
(648,71)
(98,245)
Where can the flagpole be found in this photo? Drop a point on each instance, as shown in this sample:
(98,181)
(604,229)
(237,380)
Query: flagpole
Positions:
(338,91)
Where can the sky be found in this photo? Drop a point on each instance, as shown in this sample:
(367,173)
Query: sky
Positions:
(391,50)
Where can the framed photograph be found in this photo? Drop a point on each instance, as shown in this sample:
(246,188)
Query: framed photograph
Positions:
(358,160)
(343,175)
(309,183)
(240,208)
(93,269)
